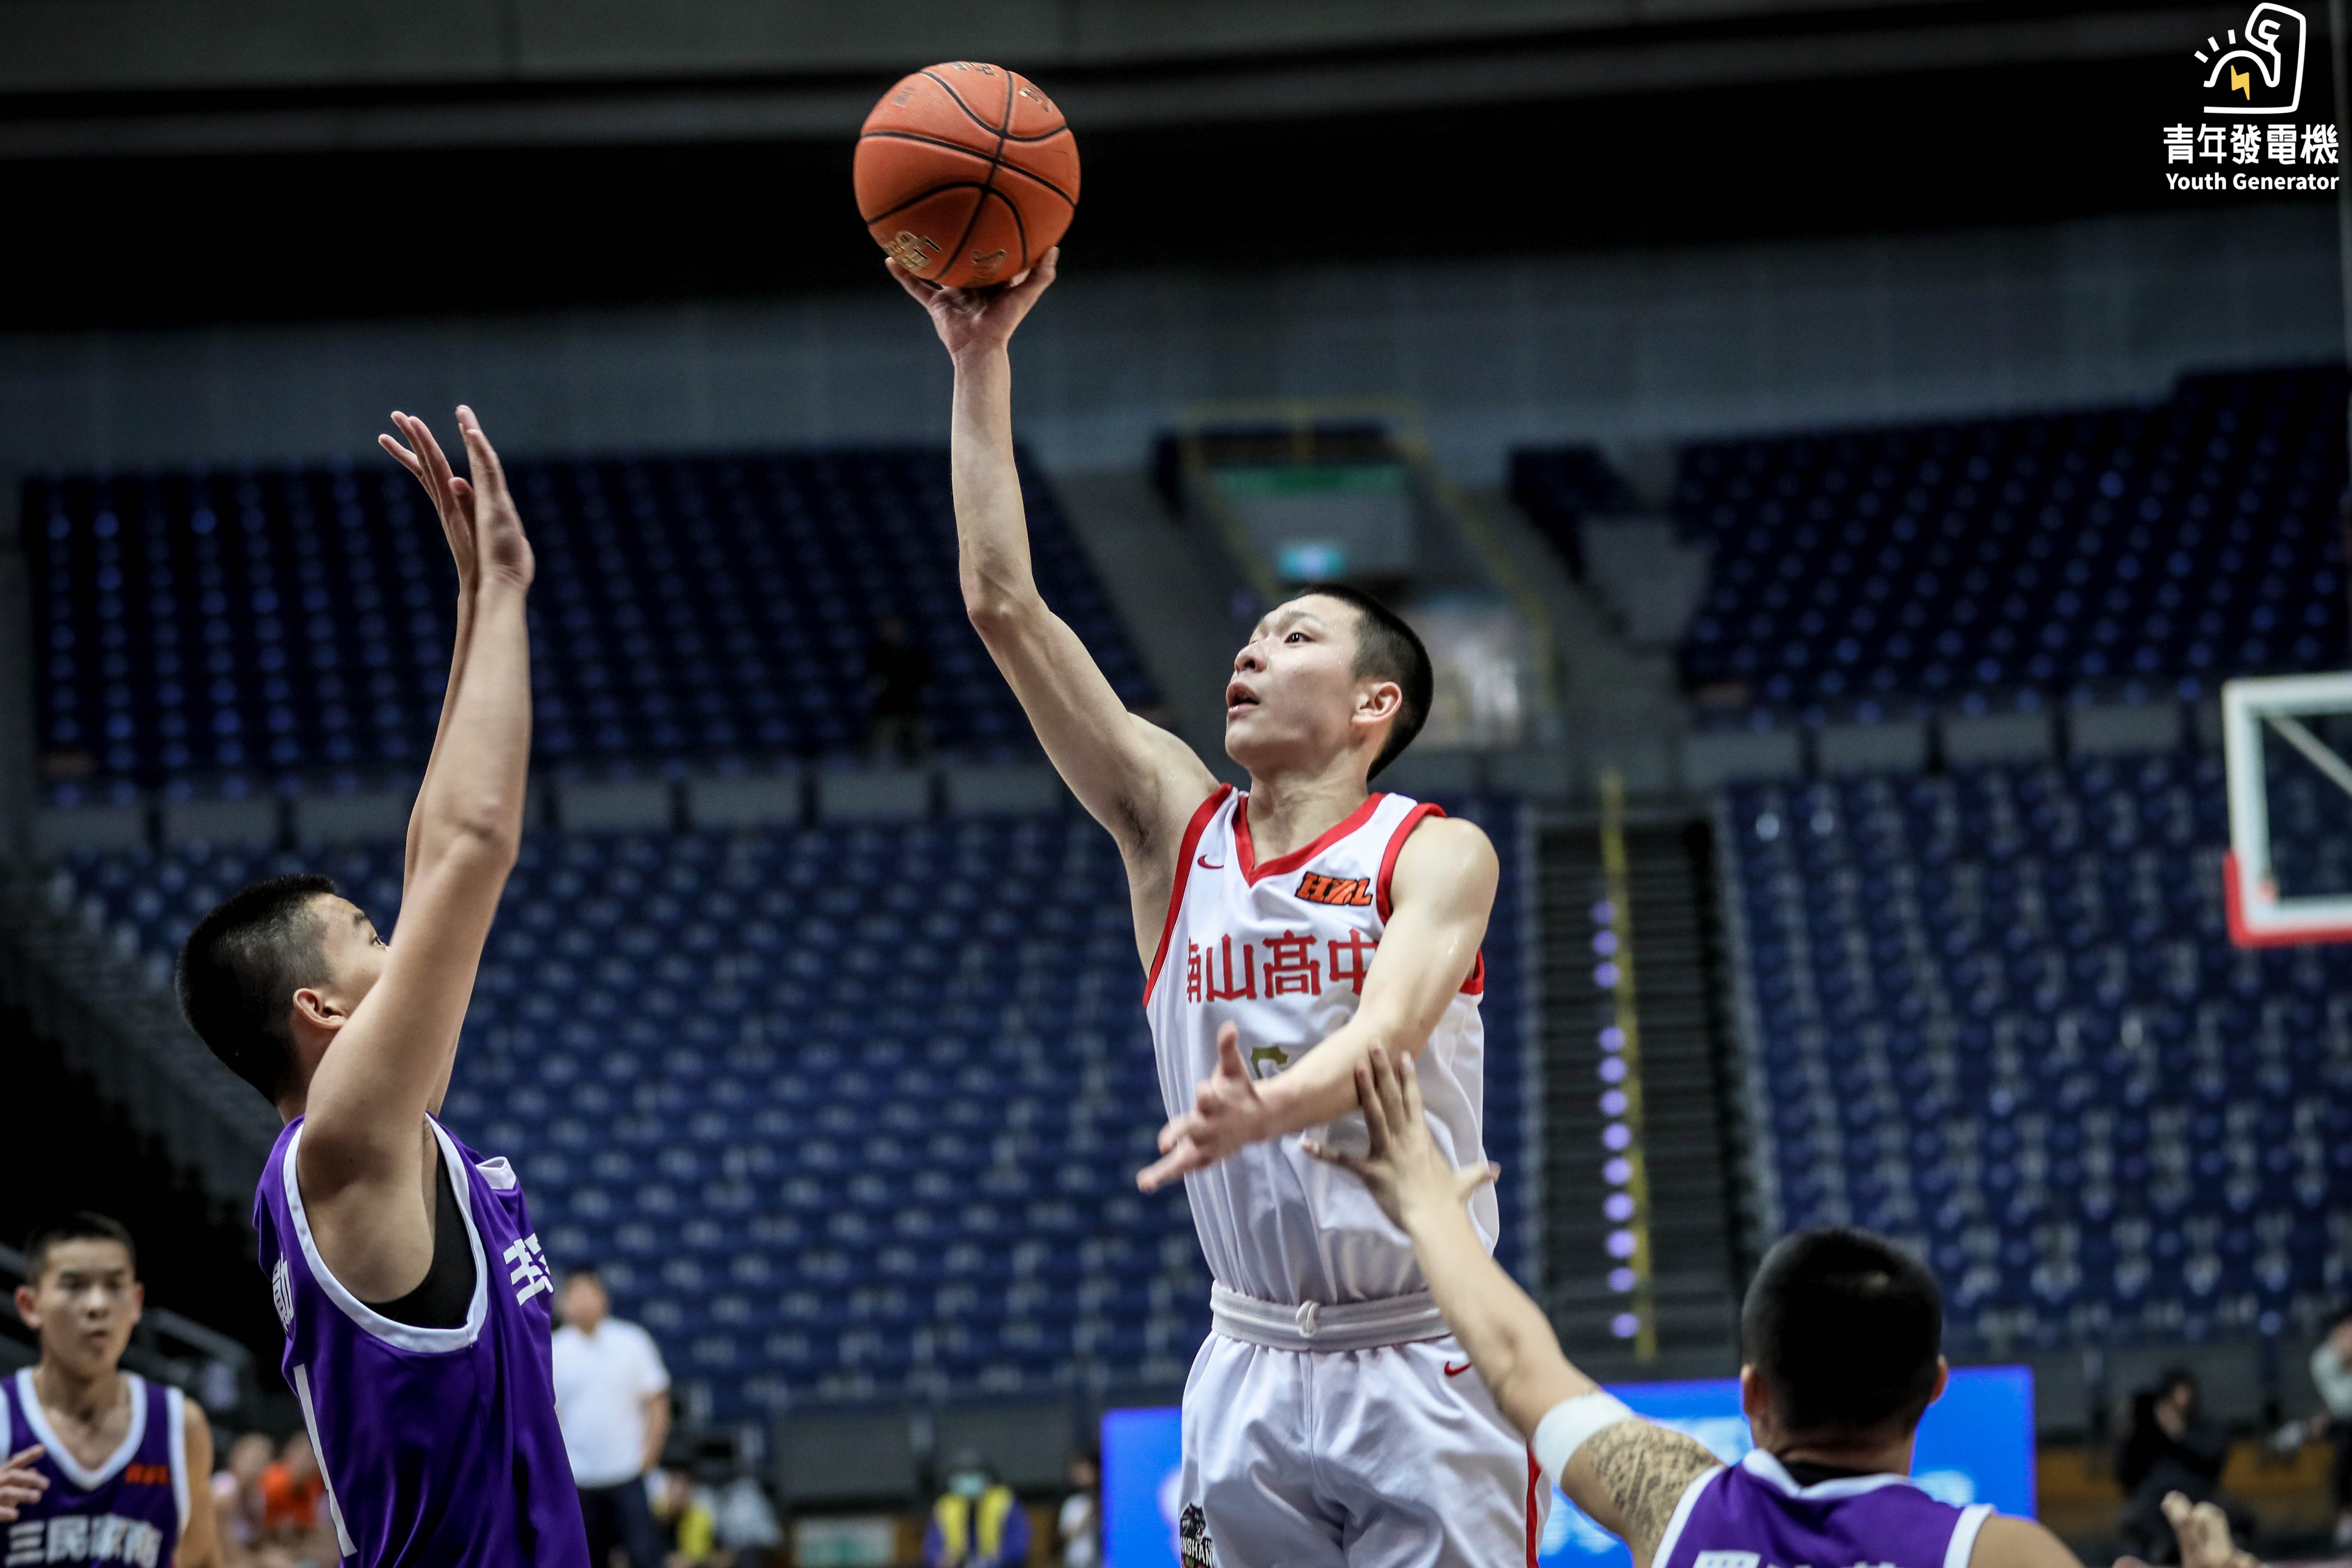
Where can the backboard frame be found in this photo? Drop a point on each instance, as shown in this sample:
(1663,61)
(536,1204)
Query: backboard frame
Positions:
(2258,916)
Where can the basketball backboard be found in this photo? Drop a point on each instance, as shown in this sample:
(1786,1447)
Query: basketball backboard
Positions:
(2281,738)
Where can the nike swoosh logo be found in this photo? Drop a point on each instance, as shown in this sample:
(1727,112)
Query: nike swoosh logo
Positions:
(1453,1371)
(1203,863)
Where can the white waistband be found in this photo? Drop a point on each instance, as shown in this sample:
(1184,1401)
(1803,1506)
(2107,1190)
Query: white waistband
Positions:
(1321,1326)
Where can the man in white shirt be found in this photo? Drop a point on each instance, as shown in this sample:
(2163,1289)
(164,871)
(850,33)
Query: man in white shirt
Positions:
(612,1399)
(2331,1374)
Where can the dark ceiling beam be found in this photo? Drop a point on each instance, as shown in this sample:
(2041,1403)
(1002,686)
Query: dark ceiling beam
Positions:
(1553,67)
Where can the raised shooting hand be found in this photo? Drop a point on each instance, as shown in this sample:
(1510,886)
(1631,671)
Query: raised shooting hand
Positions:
(979,318)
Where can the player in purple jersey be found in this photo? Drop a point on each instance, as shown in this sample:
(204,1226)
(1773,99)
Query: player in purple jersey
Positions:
(1842,1335)
(402,1264)
(109,1467)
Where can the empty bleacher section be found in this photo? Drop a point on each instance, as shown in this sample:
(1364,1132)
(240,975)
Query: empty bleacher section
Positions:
(1862,570)
(242,626)
(1997,1013)
(847,1114)
(1558,488)
(2171,544)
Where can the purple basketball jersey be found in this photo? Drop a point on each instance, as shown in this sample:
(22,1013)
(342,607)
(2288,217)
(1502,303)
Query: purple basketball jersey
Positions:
(437,1446)
(131,1509)
(1754,1515)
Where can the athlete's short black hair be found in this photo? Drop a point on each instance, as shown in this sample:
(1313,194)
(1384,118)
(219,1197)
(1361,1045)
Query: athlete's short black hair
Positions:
(1846,1329)
(239,971)
(1391,650)
(81,1225)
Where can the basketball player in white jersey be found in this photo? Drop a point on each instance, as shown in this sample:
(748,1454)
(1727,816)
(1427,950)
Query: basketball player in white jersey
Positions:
(1329,1419)
(1842,1334)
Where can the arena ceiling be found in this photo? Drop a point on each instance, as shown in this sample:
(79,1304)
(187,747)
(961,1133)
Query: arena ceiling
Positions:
(647,148)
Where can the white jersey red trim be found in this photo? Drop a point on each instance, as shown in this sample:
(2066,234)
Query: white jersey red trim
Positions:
(1281,947)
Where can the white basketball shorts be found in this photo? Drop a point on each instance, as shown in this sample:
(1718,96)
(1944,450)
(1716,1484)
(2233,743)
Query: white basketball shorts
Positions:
(1392,1457)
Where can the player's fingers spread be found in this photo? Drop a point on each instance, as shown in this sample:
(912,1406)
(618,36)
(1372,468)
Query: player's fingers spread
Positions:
(487,475)
(1229,1052)
(1409,1090)
(402,455)
(1367,1095)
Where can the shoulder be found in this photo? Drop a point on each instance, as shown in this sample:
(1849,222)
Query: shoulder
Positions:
(2006,1541)
(645,1343)
(1441,855)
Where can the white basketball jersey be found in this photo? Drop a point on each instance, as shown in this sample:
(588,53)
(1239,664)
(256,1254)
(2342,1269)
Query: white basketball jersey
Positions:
(1280,948)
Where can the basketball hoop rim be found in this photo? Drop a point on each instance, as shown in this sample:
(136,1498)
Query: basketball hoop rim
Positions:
(2245,933)
(2254,916)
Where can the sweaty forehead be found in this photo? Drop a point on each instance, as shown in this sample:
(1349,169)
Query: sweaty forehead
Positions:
(338,911)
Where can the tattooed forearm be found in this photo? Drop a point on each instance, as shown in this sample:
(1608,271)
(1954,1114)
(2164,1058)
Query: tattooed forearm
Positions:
(1643,1469)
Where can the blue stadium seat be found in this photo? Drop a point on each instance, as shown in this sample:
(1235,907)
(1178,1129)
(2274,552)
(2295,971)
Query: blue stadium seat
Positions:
(2059,1081)
(296,623)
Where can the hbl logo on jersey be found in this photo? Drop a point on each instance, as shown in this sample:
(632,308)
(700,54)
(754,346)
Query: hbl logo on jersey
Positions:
(2260,72)
(1354,892)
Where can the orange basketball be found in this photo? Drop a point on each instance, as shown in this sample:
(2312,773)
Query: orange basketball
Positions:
(966,174)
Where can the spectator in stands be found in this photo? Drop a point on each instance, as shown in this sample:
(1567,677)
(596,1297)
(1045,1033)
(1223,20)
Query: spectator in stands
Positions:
(236,1495)
(2331,1374)
(290,1489)
(897,670)
(612,1399)
(2169,1446)
(1079,1525)
(977,1522)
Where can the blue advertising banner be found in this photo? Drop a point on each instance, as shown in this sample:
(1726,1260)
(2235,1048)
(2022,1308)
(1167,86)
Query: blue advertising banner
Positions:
(1976,1445)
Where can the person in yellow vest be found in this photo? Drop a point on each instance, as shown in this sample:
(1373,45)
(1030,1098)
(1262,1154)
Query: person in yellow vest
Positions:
(977,1522)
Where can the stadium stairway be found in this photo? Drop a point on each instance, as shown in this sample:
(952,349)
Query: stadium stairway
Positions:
(1620,706)
(110,1014)
(1689,1097)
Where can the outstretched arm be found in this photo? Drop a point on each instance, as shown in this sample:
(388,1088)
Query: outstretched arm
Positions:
(1136,779)
(1441,895)
(1627,1476)
(362,1160)
(453,502)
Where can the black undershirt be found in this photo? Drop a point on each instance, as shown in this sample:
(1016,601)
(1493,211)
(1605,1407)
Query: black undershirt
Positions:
(1806,1472)
(448,1291)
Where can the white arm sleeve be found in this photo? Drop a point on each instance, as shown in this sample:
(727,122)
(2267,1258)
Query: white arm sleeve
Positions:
(1566,1425)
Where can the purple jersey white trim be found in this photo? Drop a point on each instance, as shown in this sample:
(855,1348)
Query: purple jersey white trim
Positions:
(131,1508)
(437,1446)
(1754,1515)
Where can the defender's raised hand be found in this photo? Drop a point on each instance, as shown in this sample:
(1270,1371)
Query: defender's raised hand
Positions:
(452,497)
(1402,1166)
(969,319)
(497,527)
(1227,1114)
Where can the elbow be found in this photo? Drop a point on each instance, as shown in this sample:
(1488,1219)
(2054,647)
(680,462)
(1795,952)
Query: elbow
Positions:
(993,611)
(490,838)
